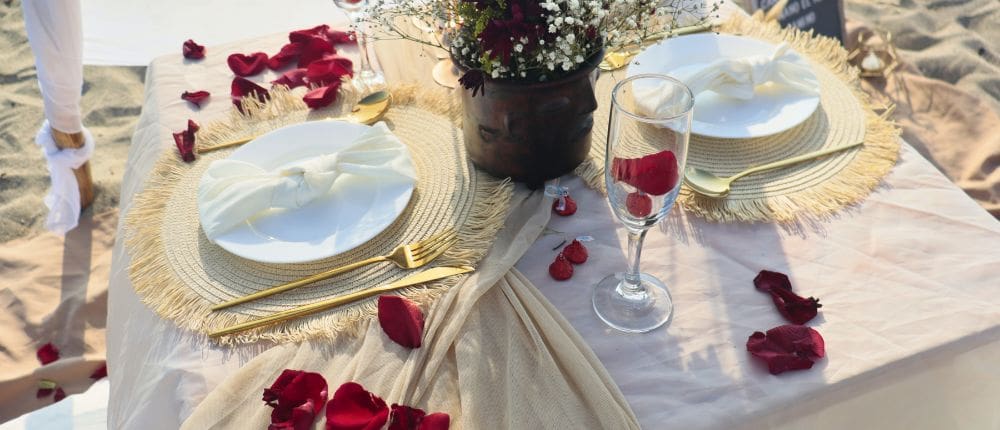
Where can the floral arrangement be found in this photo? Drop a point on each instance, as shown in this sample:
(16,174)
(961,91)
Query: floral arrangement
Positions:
(532,40)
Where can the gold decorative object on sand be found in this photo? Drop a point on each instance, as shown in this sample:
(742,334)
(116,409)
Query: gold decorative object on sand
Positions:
(875,55)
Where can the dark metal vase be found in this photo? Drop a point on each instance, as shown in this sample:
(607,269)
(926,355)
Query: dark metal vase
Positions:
(531,131)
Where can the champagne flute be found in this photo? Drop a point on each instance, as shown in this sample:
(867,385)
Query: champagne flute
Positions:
(646,149)
(366,79)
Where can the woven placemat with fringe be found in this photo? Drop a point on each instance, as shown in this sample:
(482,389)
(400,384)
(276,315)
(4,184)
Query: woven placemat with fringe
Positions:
(808,190)
(178,273)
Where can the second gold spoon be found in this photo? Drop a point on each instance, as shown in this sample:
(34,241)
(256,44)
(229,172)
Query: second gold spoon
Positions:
(708,184)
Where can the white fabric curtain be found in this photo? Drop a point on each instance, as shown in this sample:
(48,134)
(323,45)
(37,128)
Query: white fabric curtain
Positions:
(56,37)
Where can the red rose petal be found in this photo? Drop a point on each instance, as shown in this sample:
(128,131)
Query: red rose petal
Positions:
(337,37)
(322,96)
(353,408)
(303,35)
(404,417)
(47,353)
(192,50)
(242,87)
(401,320)
(793,307)
(787,347)
(100,372)
(313,49)
(568,209)
(561,269)
(654,174)
(329,70)
(435,421)
(296,397)
(766,280)
(287,55)
(247,65)
(196,97)
(60,394)
(639,204)
(43,392)
(292,79)
(185,141)
(575,252)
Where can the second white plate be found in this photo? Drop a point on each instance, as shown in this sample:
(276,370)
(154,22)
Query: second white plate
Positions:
(355,212)
(773,109)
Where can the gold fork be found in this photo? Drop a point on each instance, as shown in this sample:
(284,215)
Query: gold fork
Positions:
(409,256)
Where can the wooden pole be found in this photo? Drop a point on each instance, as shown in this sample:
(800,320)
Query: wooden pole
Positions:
(83,178)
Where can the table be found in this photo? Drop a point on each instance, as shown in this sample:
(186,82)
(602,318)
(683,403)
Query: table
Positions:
(908,280)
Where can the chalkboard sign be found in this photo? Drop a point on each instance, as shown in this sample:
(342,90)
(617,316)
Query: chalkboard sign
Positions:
(825,17)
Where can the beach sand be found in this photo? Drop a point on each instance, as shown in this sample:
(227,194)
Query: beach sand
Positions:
(112,98)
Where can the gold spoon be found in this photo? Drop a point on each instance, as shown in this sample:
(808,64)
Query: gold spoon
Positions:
(615,60)
(368,111)
(708,184)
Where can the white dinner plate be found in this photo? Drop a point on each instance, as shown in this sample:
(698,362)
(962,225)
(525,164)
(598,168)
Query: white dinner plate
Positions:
(773,109)
(357,210)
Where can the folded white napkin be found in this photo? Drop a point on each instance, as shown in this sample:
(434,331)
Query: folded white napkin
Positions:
(737,77)
(63,200)
(734,78)
(233,191)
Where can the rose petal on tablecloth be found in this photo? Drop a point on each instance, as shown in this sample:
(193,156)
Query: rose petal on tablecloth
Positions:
(401,320)
(354,408)
(192,50)
(787,347)
(47,353)
(296,397)
(247,65)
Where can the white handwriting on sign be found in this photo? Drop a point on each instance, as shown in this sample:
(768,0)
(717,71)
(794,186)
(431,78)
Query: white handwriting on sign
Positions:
(793,8)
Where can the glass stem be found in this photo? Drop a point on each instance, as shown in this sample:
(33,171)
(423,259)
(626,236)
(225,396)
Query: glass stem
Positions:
(632,284)
(361,37)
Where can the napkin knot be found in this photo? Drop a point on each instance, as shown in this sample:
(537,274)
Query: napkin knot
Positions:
(738,78)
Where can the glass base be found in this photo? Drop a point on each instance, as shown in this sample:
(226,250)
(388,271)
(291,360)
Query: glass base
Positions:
(368,82)
(445,74)
(640,312)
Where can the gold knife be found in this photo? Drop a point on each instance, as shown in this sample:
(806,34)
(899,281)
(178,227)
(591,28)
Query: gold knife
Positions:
(301,311)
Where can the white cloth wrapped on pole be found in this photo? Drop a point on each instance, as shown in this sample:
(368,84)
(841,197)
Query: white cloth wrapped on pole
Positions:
(56,37)
(233,191)
(63,199)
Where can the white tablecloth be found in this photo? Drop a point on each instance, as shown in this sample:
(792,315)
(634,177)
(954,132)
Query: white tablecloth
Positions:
(908,280)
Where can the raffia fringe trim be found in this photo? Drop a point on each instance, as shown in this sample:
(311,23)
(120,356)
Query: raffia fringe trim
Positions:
(851,186)
(159,288)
